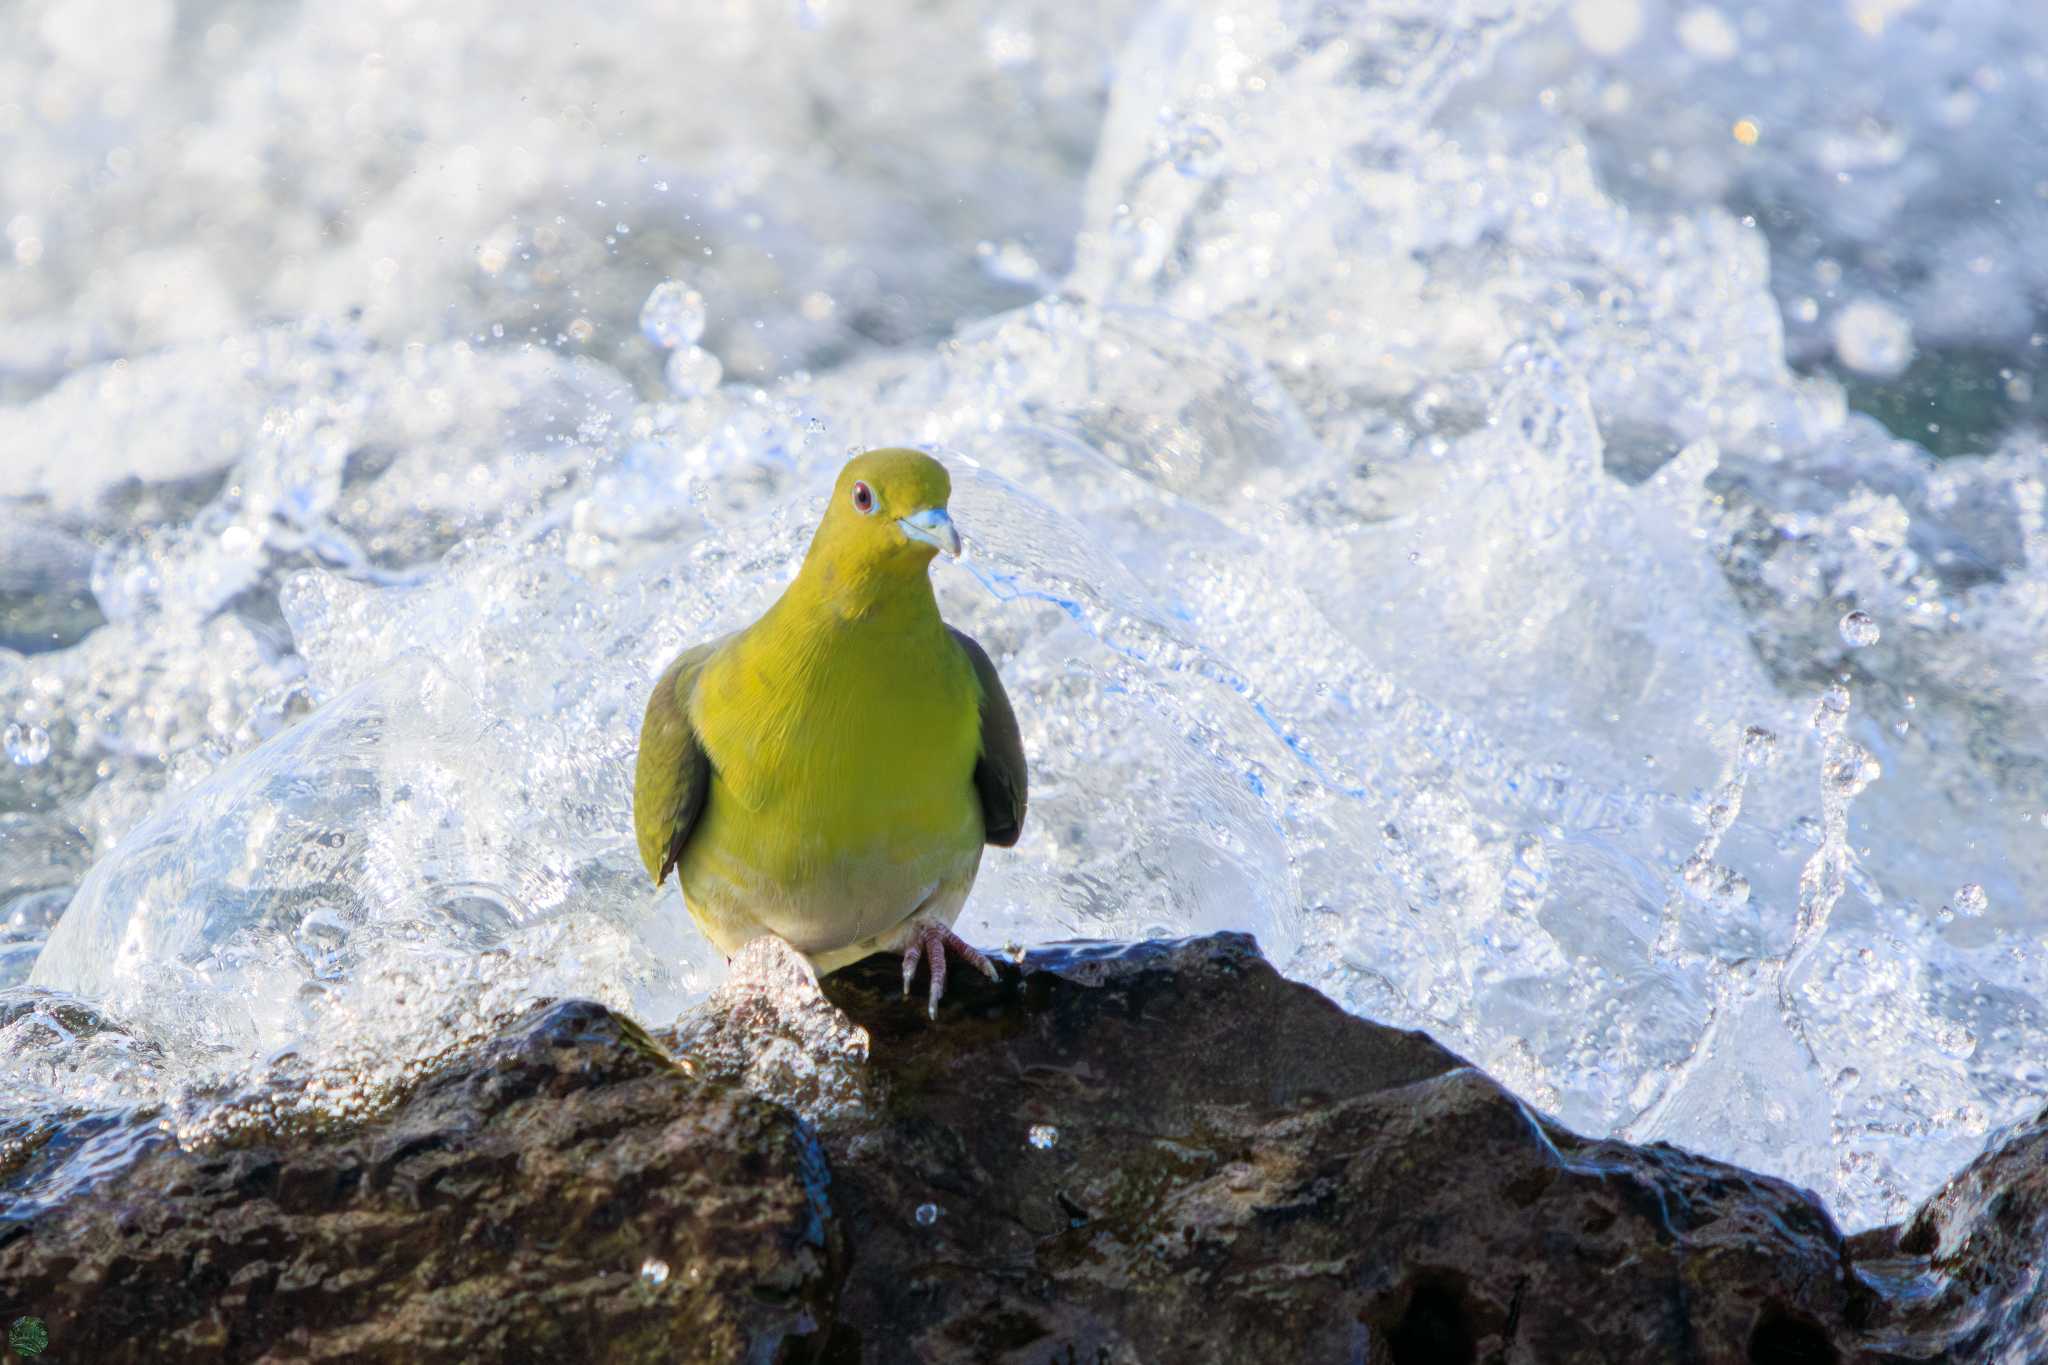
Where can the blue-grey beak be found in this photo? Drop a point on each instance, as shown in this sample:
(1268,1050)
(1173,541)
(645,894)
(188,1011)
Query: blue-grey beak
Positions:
(934,528)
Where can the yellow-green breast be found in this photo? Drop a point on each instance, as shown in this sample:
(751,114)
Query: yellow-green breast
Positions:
(842,796)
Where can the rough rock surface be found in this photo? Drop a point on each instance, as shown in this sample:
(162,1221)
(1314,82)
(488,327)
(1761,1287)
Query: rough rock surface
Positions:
(504,1211)
(1966,1271)
(1116,1154)
(1243,1172)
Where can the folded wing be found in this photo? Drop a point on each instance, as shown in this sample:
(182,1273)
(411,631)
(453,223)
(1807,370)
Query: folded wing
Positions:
(673,773)
(999,772)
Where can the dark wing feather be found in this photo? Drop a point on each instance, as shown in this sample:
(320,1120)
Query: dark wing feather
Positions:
(999,771)
(672,774)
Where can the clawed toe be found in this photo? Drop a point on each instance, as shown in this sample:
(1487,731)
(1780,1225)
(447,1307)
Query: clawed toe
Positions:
(911,956)
(931,943)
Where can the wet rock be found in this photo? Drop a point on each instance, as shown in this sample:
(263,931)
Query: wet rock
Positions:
(1964,1274)
(566,1194)
(770,1031)
(1135,1153)
(1243,1172)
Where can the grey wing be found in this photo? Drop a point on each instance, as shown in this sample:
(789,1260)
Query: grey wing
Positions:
(672,775)
(999,772)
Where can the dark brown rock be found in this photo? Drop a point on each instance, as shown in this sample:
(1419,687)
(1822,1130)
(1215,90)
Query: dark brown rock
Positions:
(1964,1275)
(1243,1172)
(1229,1168)
(503,1211)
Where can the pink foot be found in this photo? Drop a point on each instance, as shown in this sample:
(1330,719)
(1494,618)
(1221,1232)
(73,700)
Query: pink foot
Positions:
(930,941)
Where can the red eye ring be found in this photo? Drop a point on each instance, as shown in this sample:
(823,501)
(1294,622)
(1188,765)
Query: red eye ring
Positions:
(863,498)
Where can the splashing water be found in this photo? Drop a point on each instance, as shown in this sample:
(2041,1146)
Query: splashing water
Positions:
(673,315)
(1398,527)
(27,745)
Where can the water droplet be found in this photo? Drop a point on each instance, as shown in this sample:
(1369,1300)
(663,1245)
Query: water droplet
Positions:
(654,1272)
(693,372)
(1759,747)
(1722,887)
(1859,630)
(1043,1136)
(1009,262)
(1708,34)
(1193,147)
(1527,884)
(27,745)
(673,315)
(927,1214)
(1836,699)
(1849,768)
(1847,1079)
(1971,900)
(1874,339)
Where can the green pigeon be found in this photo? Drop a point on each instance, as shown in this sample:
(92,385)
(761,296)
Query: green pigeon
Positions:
(831,773)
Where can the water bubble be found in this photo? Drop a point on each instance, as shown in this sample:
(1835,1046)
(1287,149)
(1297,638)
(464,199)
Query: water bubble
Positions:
(1527,884)
(320,939)
(1722,887)
(1835,699)
(27,745)
(654,1272)
(1858,630)
(1872,338)
(927,1214)
(1009,262)
(1192,146)
(1043,1136)
(1708,34)
(1849,768)
(1759,747)
(1971,900)
(673,315)
(693,372)
(1847,1079)
(1008,46)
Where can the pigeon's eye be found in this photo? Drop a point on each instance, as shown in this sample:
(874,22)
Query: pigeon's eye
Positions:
(863,499)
